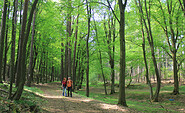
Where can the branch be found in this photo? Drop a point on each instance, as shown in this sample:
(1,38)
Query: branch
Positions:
(113,11)
(180,64)
(167,52)
(180,42)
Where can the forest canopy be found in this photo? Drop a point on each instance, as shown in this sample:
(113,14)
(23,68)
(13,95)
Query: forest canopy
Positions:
(117,42)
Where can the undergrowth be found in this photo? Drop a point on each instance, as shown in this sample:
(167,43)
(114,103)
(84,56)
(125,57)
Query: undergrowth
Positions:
(137,97)
(28,102)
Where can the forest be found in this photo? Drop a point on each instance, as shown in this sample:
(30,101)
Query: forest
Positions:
(121,49)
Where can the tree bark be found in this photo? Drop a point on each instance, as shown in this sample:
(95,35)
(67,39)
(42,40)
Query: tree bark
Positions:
(62,62)
(87,49)
(122,95)
(144,52)
(20,71)
(30,76)
(24,39)
(150,40)
(112,61)
(12,68)
(19,43)
(3,25)
(74,55)
(6,45)
(69,37)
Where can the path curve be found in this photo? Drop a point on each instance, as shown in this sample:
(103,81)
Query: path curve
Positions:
(56,103)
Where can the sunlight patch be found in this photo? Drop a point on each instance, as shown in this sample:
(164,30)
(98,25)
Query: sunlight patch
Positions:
(108,106)
(86,100)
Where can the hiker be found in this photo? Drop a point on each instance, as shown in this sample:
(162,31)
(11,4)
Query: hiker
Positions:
(64,85)
(69,85)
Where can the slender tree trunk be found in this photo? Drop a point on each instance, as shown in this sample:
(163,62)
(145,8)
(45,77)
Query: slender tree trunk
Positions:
(69,37)
(30,76)
(66,60)
(3,25)
(62,62)
(130,77)
(6,45)
(12,70)
(122,95)
(18,50)
(53,73)
(175,74)
(87,49)
(100,56)
(112,61)
(144,53)
(79,65)
(102,73)
(34,61)
(74,54)
(150,40)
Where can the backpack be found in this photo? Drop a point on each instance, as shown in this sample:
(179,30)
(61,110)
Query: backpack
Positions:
(69,83)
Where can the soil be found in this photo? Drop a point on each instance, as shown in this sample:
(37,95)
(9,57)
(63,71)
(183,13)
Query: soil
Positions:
(56,103)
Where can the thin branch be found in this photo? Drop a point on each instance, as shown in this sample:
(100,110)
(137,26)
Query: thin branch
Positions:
(167,52)
(113,11)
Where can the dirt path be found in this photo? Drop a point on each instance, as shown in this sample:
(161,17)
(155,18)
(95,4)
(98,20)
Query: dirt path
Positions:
(56,103)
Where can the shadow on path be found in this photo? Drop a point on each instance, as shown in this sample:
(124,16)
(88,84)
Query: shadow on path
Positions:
(56,103)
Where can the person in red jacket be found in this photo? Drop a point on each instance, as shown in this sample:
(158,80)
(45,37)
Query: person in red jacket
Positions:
(70,86)
(64,85)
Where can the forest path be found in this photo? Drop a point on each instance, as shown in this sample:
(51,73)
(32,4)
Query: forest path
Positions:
(56,103)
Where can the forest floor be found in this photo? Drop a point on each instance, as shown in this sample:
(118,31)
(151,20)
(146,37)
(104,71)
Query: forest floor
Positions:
(56,103)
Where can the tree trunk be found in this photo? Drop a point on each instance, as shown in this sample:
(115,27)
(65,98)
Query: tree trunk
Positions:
(69,37)
(150,40)
(34,61)
(12,70)
(100,57)
(3,24)
(6,45)
(74,55)
(87,49)
(20,72)
(112,61)
(62,62)
(18,50)
(30,76)
(122,99)
(175,74)
(24,39)
(144,55)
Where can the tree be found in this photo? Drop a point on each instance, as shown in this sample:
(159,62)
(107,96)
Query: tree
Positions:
(173,33)
(74,54)
(121,99)
(3,24)
(14,22)
(100,57)
(22,53)
(30,75)
(87,47)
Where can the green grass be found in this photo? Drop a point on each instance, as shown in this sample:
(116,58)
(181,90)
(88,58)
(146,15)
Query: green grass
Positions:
(33,89)
(137,97)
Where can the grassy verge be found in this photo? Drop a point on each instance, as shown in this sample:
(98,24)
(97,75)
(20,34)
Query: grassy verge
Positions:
(137,98)
(29,102)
